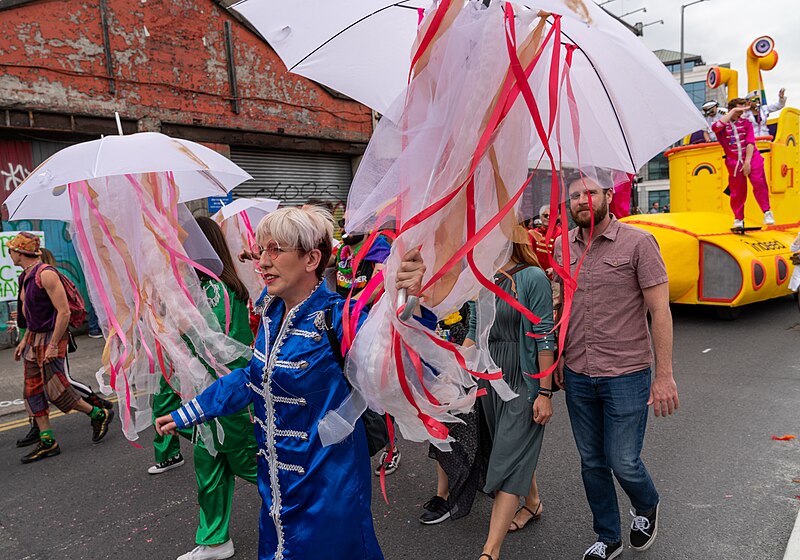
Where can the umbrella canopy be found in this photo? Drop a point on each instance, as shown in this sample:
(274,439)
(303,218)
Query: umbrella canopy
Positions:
(629,105)
(255,208)
(358,47)
(449,165)
(238,222)
(198,171)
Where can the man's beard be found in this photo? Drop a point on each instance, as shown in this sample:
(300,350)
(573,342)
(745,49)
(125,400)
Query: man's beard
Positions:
(599,215)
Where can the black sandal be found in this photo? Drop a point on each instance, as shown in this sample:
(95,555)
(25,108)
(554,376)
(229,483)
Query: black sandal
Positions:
(534,516)
(484,555)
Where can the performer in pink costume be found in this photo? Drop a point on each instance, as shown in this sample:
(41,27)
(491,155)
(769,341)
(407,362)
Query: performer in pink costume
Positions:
(743,160)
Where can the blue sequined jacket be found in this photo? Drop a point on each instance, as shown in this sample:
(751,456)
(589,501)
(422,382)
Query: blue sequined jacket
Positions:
(316,500)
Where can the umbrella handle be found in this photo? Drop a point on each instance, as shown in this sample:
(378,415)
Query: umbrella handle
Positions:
(409,302)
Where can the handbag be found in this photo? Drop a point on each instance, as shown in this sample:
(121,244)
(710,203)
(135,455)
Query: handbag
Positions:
(72,346)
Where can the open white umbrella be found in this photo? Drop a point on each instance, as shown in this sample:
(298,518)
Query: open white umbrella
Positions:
(449,164)
(358,47)
(238,222)
(198,171)
(255,208)
(630,106)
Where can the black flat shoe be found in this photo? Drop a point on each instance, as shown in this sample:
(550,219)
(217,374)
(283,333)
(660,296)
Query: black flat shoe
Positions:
(31,437)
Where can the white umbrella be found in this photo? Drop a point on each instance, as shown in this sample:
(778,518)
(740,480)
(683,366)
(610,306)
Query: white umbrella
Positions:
(198,171)
(238,222)
(255,208)
(630,106)
(358,47)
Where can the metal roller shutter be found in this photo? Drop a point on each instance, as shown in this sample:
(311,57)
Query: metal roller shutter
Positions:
(294,178)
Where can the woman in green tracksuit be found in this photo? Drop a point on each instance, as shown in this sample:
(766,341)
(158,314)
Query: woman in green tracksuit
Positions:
(236,453)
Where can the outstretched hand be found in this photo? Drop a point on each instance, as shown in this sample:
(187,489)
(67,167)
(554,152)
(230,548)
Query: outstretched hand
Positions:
(165,425)
(411,273)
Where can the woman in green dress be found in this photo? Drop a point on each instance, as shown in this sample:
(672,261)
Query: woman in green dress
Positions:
(516,427)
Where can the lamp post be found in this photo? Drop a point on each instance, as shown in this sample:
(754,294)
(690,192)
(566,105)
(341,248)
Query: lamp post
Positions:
(683,54)
(635,11)
(640,26)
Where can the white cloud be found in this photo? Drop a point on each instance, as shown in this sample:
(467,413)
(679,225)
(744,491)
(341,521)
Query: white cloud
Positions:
(721,31)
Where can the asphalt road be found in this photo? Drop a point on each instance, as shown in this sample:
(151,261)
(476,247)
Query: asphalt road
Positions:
(726,486)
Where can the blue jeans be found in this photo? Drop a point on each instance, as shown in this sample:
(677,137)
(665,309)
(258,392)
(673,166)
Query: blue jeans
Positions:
(94,324)
(608,417)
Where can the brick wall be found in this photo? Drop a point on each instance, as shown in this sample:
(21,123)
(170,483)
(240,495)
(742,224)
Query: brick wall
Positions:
(169,67)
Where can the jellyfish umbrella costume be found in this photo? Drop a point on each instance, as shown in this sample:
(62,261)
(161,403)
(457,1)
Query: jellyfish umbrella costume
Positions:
(146,292)
(496,91)
(139,248)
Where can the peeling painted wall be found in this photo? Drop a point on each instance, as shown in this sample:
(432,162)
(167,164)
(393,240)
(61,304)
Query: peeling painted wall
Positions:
(170,65)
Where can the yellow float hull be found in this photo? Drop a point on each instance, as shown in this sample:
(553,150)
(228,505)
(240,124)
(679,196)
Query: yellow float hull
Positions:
(710,265)
(707,263)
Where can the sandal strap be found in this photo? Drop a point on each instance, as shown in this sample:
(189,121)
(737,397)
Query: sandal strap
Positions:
(533,513)
(486,556)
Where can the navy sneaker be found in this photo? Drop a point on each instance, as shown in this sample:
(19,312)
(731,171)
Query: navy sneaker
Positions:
(436,511)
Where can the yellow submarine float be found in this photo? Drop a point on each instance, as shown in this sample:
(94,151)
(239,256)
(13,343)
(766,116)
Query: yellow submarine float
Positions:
(707,263)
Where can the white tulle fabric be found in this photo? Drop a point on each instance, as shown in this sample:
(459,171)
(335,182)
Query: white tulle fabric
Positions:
(130,232)
(420,152)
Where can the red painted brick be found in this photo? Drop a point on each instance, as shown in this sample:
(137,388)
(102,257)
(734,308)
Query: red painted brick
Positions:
(51,58)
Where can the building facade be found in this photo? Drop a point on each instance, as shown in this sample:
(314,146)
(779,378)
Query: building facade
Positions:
(187,68)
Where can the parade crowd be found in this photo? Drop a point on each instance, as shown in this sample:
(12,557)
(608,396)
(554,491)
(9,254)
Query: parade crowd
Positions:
(263,416)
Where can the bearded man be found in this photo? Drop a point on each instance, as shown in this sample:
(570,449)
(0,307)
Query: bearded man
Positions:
(606,366)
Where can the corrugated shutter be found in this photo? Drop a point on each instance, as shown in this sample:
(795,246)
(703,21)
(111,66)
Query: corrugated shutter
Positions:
(294,178)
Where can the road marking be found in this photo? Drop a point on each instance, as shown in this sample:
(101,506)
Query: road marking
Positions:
(793,546)
(13,424)
(15,402)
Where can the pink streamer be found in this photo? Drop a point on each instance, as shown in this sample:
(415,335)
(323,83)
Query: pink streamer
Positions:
(177,255)
(131,281)
(83,243)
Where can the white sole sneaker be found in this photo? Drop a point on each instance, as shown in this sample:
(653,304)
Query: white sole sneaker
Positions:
(445,517)
(653,536)
(155,469)
(201,552)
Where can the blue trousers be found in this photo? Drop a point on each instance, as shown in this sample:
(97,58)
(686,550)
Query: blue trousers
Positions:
(609,417)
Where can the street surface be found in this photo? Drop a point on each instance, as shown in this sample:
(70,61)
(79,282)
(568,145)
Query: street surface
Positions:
(726,487)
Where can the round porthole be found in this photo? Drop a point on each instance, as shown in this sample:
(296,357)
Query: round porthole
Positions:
(759,275)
